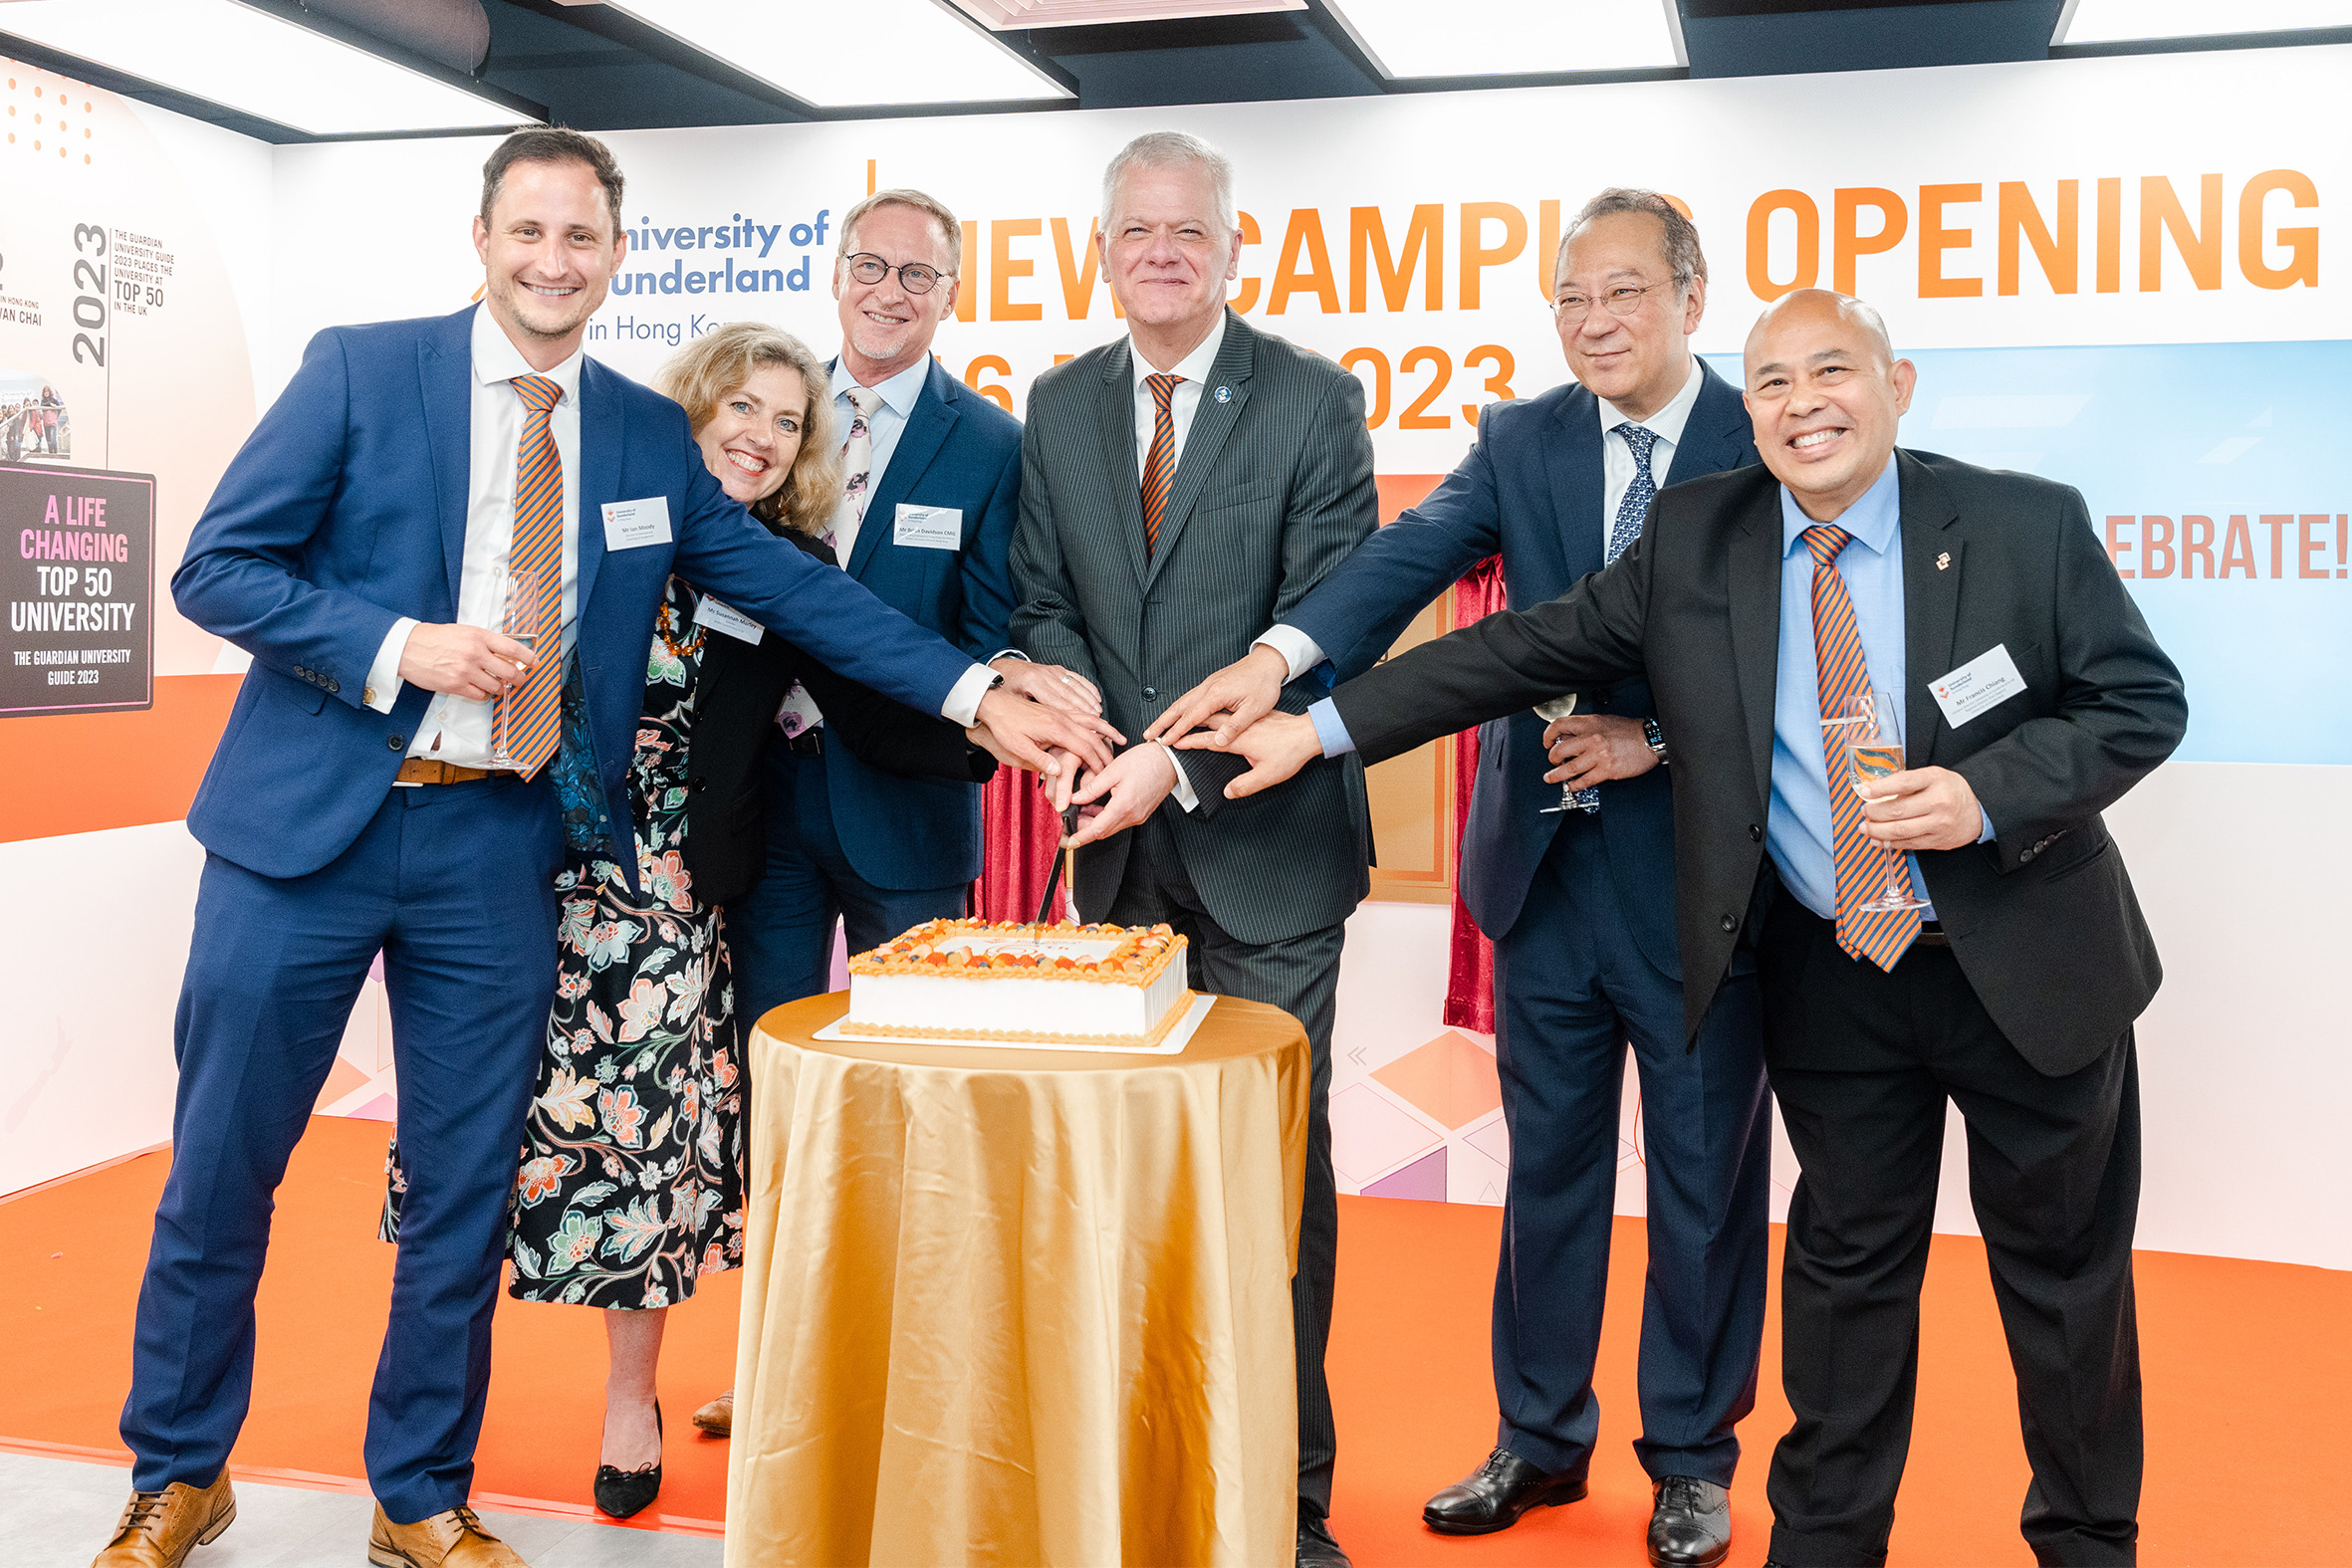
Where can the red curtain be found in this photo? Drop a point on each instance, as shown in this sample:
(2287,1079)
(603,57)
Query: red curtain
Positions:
(1470,977)
(1018,832)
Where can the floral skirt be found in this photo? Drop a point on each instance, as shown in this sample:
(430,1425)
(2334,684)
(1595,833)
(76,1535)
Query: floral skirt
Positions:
(632,1171)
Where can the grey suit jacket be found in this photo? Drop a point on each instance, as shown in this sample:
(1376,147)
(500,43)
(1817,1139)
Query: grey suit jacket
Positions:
(2042,919)
(1274,488)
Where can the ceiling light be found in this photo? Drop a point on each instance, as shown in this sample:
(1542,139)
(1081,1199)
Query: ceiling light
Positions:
(865,53)
(1004,15)
(2118,21)
(1423,38)
(255,62)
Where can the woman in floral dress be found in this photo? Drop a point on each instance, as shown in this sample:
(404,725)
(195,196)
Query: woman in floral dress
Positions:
(631,1185)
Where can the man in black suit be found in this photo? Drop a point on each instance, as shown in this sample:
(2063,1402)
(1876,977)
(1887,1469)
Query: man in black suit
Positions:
(1577,894)
(2030,696)
(1180,489)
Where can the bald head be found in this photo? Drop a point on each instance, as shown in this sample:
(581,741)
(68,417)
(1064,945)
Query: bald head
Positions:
(1802,306)
(1825,393)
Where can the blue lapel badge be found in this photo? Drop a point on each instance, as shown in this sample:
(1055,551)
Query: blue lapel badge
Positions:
(1224,394)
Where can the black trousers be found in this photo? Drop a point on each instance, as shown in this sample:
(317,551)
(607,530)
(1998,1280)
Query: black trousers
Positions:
(1862,1061)
(1301,975)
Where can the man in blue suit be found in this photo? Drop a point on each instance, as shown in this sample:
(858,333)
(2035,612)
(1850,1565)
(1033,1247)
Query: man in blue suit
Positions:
(382,786)
(934,489)
(1580,901)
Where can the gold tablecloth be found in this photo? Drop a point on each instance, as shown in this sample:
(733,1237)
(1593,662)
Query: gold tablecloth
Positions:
(1018,1307)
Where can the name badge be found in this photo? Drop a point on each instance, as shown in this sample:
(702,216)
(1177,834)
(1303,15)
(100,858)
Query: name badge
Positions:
(632,525)
(727,618)
(929,528)
(1985,681)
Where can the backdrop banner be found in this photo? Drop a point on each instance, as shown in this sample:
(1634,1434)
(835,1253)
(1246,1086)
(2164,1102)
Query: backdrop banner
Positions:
(2118,273)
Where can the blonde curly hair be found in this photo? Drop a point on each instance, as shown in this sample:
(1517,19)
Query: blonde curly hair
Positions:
(701,376)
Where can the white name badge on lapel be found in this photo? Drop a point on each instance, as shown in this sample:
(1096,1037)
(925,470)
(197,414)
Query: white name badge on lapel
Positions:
(1985,681)
(631,525)
(727,618)
(928,528)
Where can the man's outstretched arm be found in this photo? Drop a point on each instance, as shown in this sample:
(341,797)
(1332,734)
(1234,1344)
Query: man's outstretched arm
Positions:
(1589,636)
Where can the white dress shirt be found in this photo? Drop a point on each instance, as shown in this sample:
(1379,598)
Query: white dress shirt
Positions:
(458,729)
(883,427)
(1616,454)
(1183,403)
(1666,424)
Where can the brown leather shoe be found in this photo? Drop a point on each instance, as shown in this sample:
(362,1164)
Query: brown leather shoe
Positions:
(452,1538)
(159,1528)
(718,1417)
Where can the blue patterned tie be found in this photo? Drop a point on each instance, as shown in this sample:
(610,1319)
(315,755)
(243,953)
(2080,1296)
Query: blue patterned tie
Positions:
(1641,440)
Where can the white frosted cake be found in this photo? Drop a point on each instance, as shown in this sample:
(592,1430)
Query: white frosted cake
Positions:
(969,980)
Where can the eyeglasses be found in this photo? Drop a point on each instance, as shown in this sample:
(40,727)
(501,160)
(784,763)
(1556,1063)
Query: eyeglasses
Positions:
(913,276)
(1620,303)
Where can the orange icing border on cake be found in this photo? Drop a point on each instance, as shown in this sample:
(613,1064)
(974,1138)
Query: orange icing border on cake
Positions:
(1141,957)
(1159,1031)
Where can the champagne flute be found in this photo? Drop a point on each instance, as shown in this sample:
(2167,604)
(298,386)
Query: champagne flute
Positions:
(1874,750)
(1547,710)
(518,619)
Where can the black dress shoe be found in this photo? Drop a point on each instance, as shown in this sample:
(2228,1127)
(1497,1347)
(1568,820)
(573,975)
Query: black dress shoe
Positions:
(1690,1523)
(623,1492)
(1505,1487)
(1316,1549)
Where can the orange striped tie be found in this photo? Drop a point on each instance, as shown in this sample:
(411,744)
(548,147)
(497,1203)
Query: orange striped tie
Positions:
(527,717)
(1161,466)
(1865,866)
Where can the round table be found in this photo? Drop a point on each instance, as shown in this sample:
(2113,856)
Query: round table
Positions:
(1018,1307)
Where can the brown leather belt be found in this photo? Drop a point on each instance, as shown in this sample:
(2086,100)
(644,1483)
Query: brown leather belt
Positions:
(426,771)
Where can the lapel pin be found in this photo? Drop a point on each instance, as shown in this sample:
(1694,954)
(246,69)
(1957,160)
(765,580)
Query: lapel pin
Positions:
(1224,394)
(1943,560)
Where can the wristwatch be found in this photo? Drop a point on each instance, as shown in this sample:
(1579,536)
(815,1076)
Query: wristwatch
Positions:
(1649,733)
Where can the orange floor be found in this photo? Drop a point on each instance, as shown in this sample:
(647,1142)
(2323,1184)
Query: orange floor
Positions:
(2249,1370)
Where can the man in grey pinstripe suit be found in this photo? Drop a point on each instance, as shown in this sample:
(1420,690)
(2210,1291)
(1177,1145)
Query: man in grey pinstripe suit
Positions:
(1180,489)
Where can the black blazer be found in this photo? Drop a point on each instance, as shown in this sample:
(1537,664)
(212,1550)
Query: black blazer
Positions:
(2042,919)
(740,686)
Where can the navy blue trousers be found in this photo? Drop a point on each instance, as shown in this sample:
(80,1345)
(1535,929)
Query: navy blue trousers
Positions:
(1573,989)
(781,933)
(454,884)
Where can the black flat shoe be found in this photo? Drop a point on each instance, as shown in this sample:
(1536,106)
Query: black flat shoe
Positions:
(623,1492)
(1504,1487)
(1690,1523)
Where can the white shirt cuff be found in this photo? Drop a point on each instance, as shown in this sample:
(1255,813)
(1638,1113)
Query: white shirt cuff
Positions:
(1293,645)
(383,676)
(1006,653)
(1183,791)
(963,698)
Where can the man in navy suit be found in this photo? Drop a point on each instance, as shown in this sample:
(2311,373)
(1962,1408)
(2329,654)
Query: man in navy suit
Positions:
(934,489)
(1580,901)
(382,784)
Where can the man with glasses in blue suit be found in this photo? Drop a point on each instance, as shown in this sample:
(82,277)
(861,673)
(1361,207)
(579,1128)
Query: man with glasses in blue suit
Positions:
(1567,863)
(933,472)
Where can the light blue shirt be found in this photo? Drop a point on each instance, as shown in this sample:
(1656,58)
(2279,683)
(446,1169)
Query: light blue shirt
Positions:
(1798,833)
(887,423)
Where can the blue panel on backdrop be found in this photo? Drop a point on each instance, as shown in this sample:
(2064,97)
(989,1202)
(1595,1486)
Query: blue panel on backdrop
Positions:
(2221,476)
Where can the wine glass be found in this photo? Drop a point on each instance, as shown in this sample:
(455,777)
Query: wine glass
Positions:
(518,619)
(1873,751)
(1547,710)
